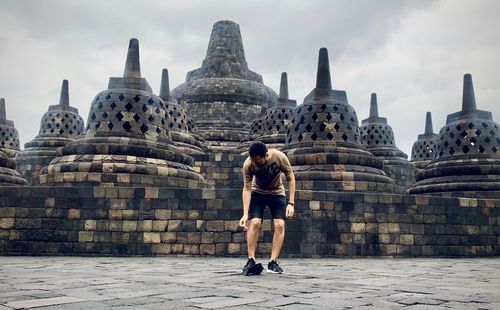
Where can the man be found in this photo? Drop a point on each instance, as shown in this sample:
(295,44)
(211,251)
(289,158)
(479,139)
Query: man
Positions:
(263,187)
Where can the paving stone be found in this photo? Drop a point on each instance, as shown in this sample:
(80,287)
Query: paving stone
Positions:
(35,303)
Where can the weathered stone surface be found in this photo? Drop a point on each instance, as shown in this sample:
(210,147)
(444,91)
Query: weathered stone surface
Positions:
(378,138)
(9,148)
(466,161)
(224,96)
(424,148)
(127,140)
(60,125)
(324,134)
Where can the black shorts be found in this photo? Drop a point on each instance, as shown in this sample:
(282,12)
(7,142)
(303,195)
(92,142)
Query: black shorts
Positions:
(276,203)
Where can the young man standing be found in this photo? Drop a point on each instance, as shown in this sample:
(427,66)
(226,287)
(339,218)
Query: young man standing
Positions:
(263,187)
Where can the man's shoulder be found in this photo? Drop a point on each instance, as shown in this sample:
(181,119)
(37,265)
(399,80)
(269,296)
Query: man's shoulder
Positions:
(278,153)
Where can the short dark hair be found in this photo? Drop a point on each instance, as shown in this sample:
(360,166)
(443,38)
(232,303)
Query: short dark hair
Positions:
(257,148)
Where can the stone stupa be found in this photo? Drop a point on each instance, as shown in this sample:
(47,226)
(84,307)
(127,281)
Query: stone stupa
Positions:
(378,138)
(224,96)
(466,160)
(323,143)
(60,125)
(277,118)
(177,120)
(423,149)
(9,148)
(127,140)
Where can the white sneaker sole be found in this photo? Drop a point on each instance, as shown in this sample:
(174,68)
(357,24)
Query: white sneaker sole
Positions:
(272,271)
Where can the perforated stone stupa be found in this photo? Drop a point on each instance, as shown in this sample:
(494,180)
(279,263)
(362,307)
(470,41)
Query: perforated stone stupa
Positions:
(9,148)
(224,96)
(378,138)
(466,162)
(127,140)
(423,149)
(60,125)
(323,142)
(178,120)
(277,118)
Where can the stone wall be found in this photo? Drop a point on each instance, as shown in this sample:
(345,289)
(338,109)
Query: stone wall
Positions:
(164,221)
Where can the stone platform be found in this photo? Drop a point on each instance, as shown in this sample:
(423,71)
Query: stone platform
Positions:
(214,283)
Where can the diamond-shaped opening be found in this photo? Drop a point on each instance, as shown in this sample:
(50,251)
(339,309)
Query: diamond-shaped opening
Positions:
(302,119)
(92,116)
(458,127)
(104,115)
(127,126)
(473,141)
(119,116)
(492,133)
(452,135)
(309,108)
(158,130)
(308,127)
(323,107)
(377,141)
(151,118)
(144,108)
(329,116)
(342,117)
(481,149)
(171,125)
(300,137)
(465,149)
(478,132)
(464,134)
(137,117)
(485,125)
(471,125)
(314,116)
(107,97)
(151,100)
(336,126)
(329,136)
(157,111)
(458,142)
(99,106)
(110,125)
(314,136)
(144,128)
(66,126)
(322,127)
(345,137)
(494,149)
(451,151)
(335,108)
(137,98)
(128,106)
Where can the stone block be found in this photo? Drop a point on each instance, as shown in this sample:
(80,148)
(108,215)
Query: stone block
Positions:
(152,237)
(358,228)
(169,237)
(90,224)
(160,225)
(85,236)
(217,225)
(7,223)
(129,226)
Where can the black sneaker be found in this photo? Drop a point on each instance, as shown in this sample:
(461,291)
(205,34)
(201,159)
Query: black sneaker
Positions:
(252,268)
(273,267)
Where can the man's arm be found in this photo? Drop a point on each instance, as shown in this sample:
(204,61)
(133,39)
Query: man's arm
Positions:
(247,193)
(290,208)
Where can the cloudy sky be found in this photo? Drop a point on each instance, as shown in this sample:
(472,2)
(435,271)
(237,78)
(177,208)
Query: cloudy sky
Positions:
(413,54)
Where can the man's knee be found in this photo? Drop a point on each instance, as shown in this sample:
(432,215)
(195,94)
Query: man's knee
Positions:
(255,223)
(279,225)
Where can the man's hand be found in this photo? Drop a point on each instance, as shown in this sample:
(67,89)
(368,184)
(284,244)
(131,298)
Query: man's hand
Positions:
(244,222)
(289,211)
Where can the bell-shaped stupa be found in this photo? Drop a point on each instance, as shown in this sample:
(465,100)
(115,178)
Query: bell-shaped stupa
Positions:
(224,96)
(177,120)
(423,149)
(60,125)
(9,148)
(277,118)
(378,138)
(323,142)
(127,140)
(466,160)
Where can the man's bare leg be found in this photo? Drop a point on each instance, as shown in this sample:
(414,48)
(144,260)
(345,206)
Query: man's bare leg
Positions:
(252,236)
(278,237)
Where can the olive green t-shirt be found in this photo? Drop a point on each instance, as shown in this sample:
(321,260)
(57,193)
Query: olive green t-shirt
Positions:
(267,179)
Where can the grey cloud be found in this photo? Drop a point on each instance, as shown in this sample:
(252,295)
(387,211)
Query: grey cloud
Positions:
(412,53)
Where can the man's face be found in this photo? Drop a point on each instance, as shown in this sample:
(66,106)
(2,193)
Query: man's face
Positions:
(259,161)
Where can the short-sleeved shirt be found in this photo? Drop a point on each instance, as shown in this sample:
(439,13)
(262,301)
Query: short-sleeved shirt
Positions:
(267,179)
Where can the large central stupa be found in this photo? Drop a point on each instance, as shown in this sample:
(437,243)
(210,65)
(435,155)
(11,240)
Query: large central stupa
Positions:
(224,96)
